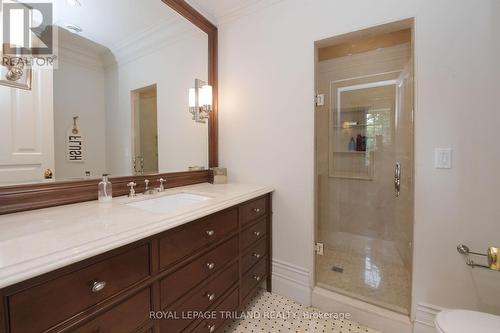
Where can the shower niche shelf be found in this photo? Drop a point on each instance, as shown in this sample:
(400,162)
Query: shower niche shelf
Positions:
(351,126)
(349,123)
(357,165)
(355,152)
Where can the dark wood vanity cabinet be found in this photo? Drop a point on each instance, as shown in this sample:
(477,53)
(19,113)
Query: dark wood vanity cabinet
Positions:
(157,285)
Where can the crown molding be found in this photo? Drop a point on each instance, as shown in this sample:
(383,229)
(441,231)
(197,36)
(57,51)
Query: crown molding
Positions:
(80,57)
(147,41)
(78,50)
(236,12)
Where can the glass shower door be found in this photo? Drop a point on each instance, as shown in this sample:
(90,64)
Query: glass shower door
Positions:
(366,223)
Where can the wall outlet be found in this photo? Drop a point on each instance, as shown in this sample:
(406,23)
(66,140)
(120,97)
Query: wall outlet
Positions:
(442,158)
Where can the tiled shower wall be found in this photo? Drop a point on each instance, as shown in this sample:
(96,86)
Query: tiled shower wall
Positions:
(361,207)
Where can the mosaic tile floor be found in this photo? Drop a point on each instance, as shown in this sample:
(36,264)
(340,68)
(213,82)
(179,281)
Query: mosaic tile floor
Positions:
(299,320)
(370,269)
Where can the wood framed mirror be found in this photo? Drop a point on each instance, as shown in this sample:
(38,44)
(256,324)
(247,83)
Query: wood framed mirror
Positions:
(19,195)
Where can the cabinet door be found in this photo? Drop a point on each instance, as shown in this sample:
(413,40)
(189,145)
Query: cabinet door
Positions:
(27,130)
(123,318)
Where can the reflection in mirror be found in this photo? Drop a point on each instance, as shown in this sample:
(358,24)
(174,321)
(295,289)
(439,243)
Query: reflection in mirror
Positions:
(116,101)
(145,130)
(200,101)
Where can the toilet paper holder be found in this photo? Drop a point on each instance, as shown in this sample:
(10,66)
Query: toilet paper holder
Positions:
(492,255)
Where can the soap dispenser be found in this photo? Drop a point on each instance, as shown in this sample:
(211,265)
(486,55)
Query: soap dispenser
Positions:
(352,144)
(105,191)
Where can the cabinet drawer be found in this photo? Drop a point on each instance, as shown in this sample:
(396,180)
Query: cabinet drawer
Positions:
(255,276)
(201,300)
(252,256)
(178,244)
(187,277)
(41,307)
(253,233)
(216,324)
(125,317)
(252,210)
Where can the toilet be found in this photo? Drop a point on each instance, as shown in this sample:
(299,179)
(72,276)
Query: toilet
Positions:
(463,321)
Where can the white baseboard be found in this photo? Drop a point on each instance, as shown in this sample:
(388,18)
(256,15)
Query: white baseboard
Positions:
(361,312)
(291,281)
(425,315)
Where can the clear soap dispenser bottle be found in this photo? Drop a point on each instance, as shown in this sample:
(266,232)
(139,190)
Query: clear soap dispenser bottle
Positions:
(105,191)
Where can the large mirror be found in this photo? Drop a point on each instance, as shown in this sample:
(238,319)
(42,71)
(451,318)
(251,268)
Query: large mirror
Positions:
(116,100)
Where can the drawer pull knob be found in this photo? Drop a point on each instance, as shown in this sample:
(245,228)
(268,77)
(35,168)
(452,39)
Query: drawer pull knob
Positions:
(256,255)
(97,286)
(256,233)
(211,328)
(257,277)
(210,265)
(210,297)
(256,210)
(210,233)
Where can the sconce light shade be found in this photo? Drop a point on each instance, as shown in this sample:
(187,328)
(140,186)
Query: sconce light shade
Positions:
(200,101)
(206,96)
(192,97)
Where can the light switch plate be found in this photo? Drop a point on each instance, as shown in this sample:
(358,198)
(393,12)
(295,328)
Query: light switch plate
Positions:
(442,158)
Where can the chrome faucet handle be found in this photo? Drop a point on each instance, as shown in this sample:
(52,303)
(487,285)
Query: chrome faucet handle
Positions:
(132,190)
(148,190)
(162,187)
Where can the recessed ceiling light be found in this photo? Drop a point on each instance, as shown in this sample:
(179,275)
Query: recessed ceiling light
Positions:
(73,28)
(74,3)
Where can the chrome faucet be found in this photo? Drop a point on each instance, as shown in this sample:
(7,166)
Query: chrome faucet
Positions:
(148,190)
(131,193)
(162,187)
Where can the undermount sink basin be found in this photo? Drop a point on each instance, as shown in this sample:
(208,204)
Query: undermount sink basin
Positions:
(168,203)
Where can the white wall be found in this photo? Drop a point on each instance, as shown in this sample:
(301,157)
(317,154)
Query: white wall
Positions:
(173,69)
(79,91)
(266,73)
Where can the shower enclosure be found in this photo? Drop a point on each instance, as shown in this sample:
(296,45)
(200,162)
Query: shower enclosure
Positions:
(364,167)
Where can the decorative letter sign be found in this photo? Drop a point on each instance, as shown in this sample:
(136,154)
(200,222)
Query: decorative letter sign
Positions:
(74,140)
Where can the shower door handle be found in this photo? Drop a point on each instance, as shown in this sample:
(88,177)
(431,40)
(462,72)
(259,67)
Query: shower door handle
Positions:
(397,178)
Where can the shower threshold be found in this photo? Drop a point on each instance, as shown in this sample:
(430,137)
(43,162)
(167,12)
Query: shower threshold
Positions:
(370,300)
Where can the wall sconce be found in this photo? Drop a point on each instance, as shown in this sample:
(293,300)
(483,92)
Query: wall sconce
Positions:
(15,72)
(200,101)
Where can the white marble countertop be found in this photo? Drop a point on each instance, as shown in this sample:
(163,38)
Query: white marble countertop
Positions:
(40,241)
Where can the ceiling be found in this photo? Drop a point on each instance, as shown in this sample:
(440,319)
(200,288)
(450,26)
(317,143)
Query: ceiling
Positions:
(117,23)
(113,22)
(217,10)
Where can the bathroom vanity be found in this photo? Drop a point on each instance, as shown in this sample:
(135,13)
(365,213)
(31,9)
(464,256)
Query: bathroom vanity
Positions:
(150,263)
(121,268)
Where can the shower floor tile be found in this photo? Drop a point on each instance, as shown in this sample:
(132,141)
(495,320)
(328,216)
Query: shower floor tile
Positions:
(271,303)
(371,271)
